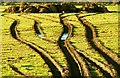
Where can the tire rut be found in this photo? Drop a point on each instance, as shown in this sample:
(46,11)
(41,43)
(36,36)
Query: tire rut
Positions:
(83,69)
(73,72)
(105,69)
(16,70)
(106,72)
(81,62)
(38,30)
(77,66)
(56,69)
(91,38)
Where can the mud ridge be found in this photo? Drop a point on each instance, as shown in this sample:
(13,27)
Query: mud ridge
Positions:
(73,72)
(88,15)
(56,69)
(91,38)
(105,69)
(80,62)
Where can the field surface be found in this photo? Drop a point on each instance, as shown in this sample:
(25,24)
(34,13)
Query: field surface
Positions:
(57,45)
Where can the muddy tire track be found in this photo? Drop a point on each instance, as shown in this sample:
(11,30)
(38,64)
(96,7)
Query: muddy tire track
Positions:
(77,66)
(110,57)
(105,69)
(39,31)
(55,68)
(81,62)
(83,69)
(107,72)
(73,67)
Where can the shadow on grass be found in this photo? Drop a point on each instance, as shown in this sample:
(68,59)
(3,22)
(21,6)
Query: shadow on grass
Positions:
(16,70)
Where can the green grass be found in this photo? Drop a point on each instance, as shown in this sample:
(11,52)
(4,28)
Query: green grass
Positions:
(2,8)
(107,32)
(29,62)
(107,25)
(27,32)
(113,7)
(50,26)
(12,51)
(79,40)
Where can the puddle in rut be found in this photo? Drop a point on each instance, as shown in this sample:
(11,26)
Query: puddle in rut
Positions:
(64,36)
(41,36)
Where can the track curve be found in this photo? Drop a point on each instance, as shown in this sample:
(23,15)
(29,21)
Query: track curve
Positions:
(38,30)
(110,57)
(77,66)
(56,69)
(81,64)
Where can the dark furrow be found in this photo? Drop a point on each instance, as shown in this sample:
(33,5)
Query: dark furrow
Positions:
(73,67)
(56,69)
(38,30)
(91,38)
(81,62)
(106,70)
(97,64)
(16,70)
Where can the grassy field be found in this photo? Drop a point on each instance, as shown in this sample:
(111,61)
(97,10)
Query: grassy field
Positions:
(15,53)
(79,40)
(107,29)
(31,63)
(27,33)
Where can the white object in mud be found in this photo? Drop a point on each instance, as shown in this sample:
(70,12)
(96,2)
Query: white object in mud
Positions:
(41,36)
(64,36)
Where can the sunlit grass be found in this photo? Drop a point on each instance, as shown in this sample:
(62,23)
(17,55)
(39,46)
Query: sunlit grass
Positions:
(28,61)
(113,7)
(15,53)
(49,23)
(79,41)
(30,35)
(107,28)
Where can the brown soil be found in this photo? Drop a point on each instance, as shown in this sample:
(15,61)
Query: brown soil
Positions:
(110,57)
(92,7)
(47,8)
(77,61)
(56,69)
